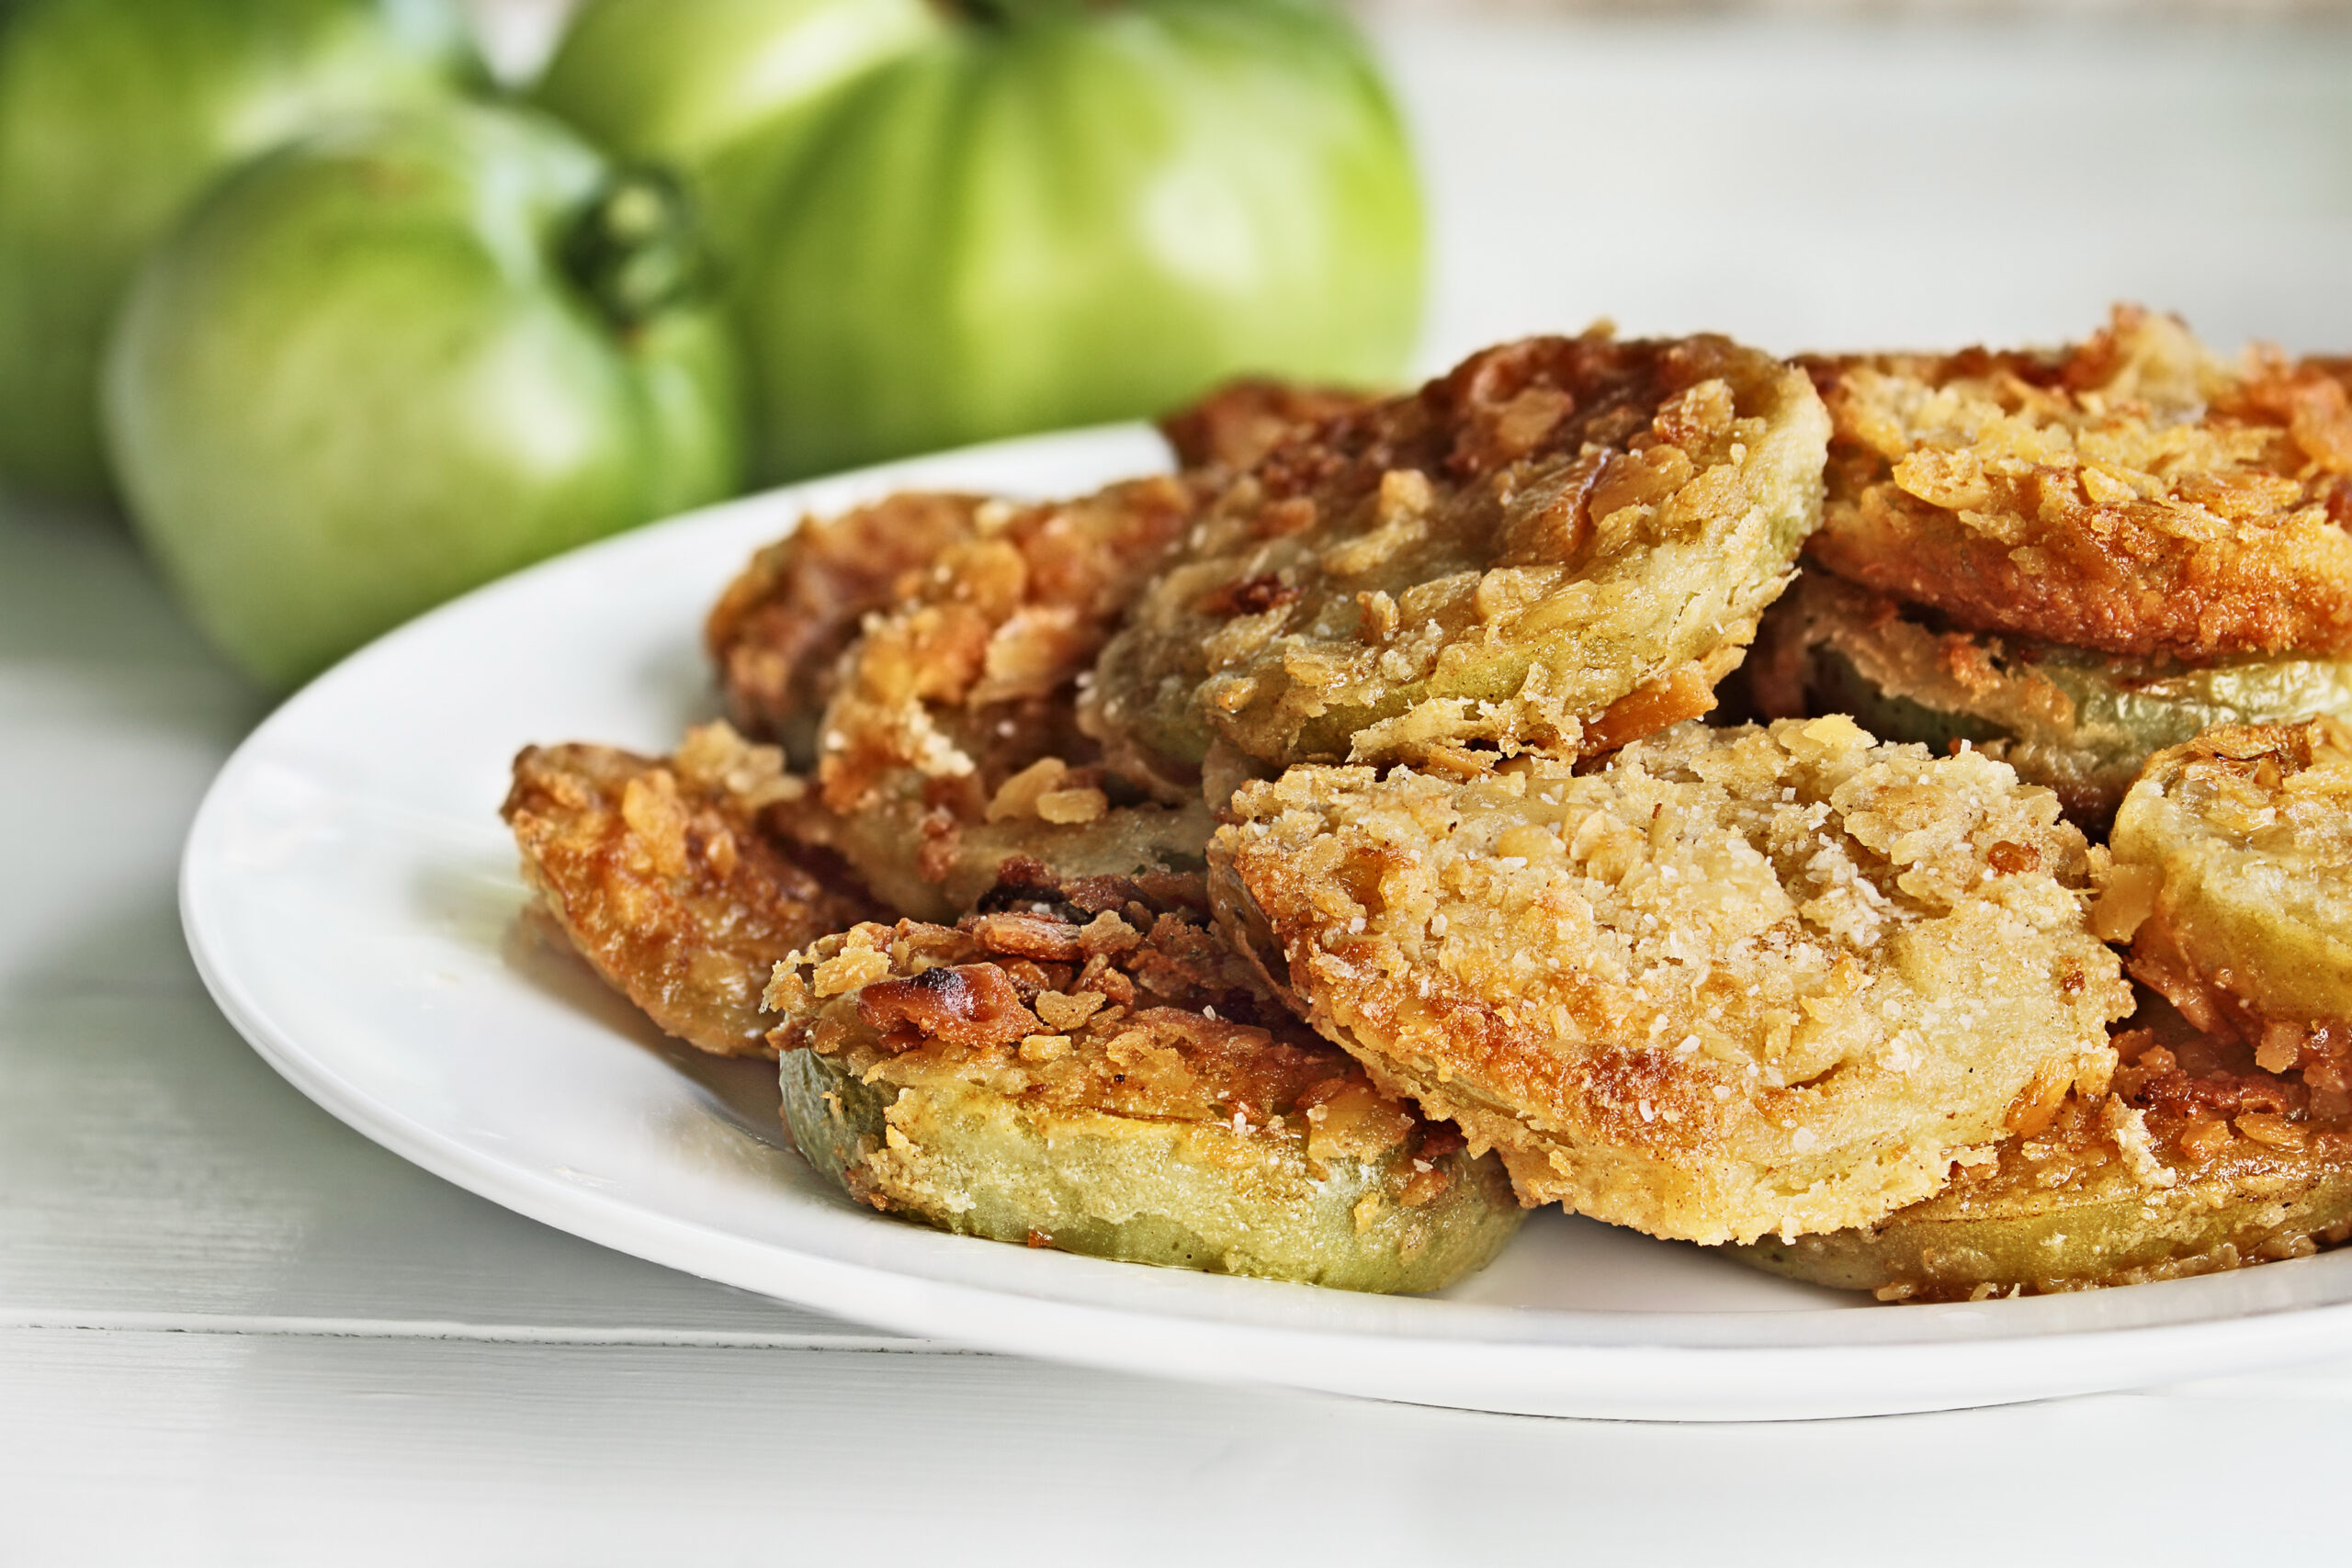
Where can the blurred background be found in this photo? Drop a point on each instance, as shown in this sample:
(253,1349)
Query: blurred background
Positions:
(1830,172)
(1800,173)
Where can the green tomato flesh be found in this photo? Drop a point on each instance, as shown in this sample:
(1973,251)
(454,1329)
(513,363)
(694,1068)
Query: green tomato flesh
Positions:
(1081,215)
(355,383)
(114,115)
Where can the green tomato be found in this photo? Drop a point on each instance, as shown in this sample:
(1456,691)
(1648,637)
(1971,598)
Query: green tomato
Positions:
(688,81)
(114,115)
(394,360)
(725,91)
(1056,213)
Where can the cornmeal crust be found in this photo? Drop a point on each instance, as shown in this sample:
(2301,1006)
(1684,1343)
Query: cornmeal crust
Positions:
(776,635)
(2232,875)
(659,874)
(2198,1160)
(950,745)
(1233,429)
(1559,546)
(1738,981)
(2132,494)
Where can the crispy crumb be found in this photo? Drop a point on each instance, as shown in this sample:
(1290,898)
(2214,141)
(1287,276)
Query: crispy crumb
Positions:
(951,745)
(2133,493)
(1769,981)
(659,872)
(778,631)
(1499,558)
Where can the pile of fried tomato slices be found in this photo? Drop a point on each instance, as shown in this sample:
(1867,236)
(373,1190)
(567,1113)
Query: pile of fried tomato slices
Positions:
(1888,816)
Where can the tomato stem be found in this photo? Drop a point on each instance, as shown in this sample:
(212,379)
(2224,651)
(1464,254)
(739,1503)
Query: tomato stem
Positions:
(634,248)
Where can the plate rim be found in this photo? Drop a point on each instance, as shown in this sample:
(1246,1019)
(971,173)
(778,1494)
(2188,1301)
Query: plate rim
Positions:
(1640,1370)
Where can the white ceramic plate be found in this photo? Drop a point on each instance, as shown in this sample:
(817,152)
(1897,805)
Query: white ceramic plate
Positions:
(352,901)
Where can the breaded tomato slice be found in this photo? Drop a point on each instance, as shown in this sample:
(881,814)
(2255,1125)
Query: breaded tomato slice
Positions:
(2233,879)
(1119,1084)
(2077,722)
(2132,494)
(1561,545)
(1737,981)
(658,871)
(951,744)
(2198,1159)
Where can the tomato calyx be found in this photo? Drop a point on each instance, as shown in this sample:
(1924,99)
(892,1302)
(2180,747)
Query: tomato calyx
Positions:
(635,250)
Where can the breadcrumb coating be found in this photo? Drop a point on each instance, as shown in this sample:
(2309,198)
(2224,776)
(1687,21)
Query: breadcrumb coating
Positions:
(2080,723)
(1737,981)
(2232,875)
(1558,525)
(1234,426)
(951,745)
(2197,1160)
(778,631)
(1116,1082)
(659,873)
(2131,494)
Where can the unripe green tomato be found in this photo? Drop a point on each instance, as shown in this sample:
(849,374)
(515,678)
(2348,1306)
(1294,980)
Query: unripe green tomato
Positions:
(394,360)
(685,81)
(725,91)
(114,115)
(1059,213)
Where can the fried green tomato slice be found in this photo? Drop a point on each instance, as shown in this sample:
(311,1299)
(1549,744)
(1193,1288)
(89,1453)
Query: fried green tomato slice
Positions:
(2227,1136)
(1557,528)
(659,873)
(780,627)
(1118,1086)
(2198,1160)
(1737,981)
(2131,494)
(951,745)
(2080,723)
(2232,877)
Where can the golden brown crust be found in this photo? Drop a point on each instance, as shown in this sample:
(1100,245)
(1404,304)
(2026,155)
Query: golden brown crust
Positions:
(2232,875)
(951,744)
(2198,1160)
(1499,557)
(1737,982)
(970,675)
(2225,1137)
(657,873)
(1234,426)
(1135,1013)
(2130,494)
(779,629)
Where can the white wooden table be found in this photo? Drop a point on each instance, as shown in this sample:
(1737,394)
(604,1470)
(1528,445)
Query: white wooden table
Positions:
(233,1331)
